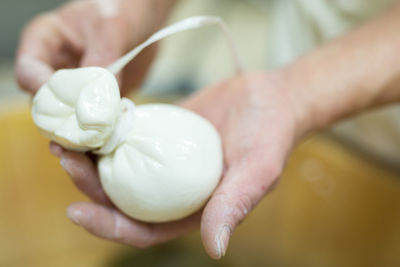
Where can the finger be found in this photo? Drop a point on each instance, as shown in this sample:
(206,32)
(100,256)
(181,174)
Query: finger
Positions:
(110,224)
(56,149)
(136,71)
(84,174)
(107,43)
(103,51)
(45,46)
(243,186)
(116,40)
(32,73)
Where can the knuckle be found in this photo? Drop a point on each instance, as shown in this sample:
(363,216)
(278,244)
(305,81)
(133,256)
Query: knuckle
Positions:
(243,206)
(236,207)
(144,240)
(148,239)
(40,19)
(273,171)
(142,243)
(19,75)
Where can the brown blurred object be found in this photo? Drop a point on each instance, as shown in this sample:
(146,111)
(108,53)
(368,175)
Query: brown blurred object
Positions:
(331,208)
(375,133)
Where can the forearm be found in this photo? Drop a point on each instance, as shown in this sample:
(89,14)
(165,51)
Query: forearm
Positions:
(358,71)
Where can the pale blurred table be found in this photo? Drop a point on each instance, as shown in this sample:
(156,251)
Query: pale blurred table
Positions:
(331,208)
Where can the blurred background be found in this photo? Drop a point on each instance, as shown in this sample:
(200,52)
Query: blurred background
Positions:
(338,200)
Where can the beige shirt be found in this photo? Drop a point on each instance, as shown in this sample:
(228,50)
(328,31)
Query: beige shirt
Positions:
(272,33)
(268,33)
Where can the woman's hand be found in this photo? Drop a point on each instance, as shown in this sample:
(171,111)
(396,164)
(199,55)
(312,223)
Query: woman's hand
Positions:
(89,33)
(256,117)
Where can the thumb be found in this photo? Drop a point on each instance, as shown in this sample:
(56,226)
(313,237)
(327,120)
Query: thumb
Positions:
(105,45)
(243,186)
(101,53)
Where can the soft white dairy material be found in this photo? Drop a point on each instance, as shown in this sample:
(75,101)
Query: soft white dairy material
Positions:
(166,168)
(181,26)
(78,108)
(158,162)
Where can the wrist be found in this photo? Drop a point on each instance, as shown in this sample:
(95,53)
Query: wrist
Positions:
(268,90)
(322,95)
(300,102)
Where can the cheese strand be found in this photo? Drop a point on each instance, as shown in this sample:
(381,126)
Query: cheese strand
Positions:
(126,119)
(183,25)
(122,128)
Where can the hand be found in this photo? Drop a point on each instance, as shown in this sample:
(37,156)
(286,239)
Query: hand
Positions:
(256,117)
(88,33)
(259,116)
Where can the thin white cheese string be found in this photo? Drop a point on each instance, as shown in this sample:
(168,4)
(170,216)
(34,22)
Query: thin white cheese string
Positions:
(183,25)
(125,122)
(122,127)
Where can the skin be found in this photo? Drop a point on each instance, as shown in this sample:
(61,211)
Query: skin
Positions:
(260,117)
(62,39)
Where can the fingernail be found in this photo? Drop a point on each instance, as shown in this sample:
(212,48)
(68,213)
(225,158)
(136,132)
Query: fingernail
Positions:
(74,214)
(64,164)
(223,240)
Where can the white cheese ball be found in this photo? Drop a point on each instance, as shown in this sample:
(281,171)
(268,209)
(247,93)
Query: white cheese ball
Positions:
(167,167)
(159,162)
(78,108)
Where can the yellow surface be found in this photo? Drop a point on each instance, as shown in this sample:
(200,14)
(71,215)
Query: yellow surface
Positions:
(331,208)
(34,194)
